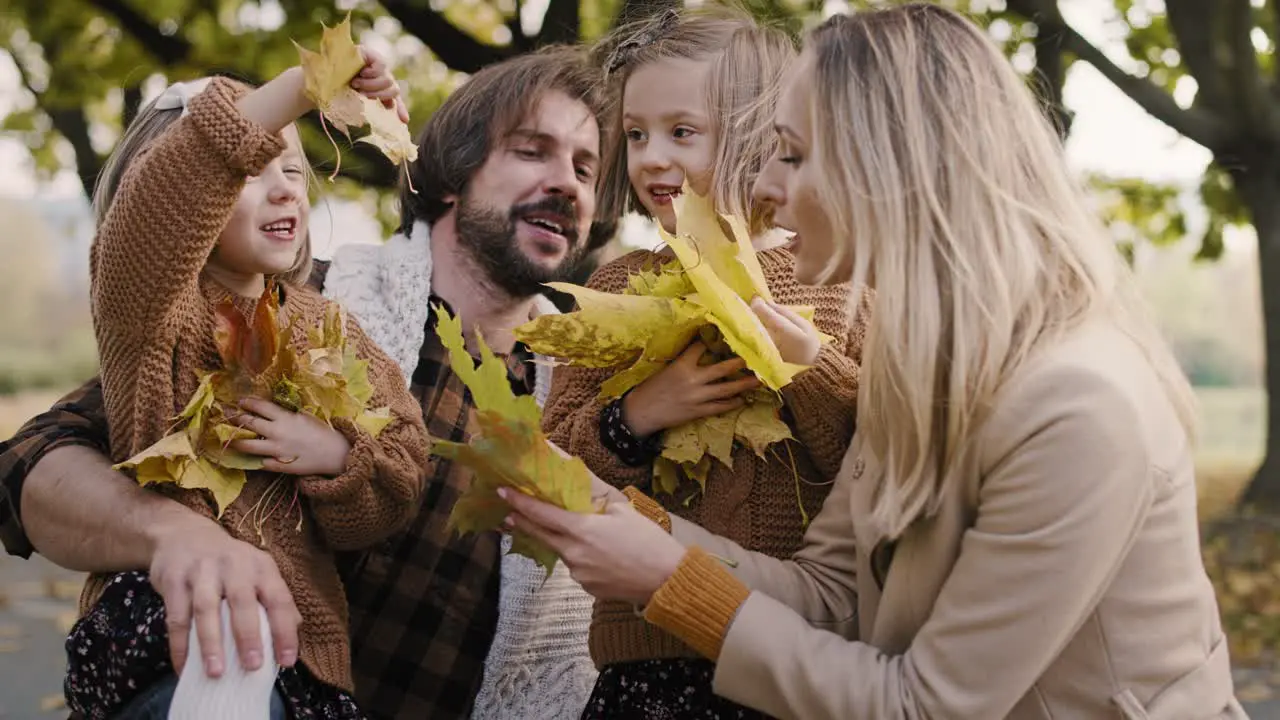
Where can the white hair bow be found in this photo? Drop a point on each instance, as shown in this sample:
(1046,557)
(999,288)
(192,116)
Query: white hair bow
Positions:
(179,94)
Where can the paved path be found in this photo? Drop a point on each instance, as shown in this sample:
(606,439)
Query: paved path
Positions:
(37,606)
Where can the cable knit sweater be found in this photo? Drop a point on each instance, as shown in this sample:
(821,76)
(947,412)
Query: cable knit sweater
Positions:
(538,667)
(153,315)
(754,503)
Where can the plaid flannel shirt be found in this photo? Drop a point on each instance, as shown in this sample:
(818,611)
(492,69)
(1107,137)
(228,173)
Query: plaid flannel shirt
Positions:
(424,604)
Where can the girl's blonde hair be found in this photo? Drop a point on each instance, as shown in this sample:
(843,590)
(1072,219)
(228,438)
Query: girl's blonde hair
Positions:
(150,123)
(948,190)
(747,61)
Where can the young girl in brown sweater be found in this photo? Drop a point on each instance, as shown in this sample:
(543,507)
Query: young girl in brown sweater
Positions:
(204,202)
(693,95)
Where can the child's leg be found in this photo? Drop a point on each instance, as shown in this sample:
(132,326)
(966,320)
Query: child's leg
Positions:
(119,650)
(154,702)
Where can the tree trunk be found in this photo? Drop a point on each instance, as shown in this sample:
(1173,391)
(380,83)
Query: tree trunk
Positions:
(1259,187)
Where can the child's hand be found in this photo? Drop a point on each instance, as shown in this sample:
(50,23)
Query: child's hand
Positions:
(376,81)
(685,391)
(293,443)
(797,339)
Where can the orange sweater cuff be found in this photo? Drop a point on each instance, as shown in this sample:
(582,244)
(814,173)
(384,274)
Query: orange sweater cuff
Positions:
(648,507)
(698,602)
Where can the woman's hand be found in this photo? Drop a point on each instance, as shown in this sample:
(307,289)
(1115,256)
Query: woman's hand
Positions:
(797,340)
(684,391)
(376,81)
(617,554)
(289,442)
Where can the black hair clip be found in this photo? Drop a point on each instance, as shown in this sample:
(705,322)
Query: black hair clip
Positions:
(622,54)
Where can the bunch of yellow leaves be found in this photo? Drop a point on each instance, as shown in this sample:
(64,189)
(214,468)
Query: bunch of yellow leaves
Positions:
(508,451)
(703,293)
(324,379)
(328,75)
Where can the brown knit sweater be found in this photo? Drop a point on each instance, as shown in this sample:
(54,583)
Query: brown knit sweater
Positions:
(755,503)
(153,315)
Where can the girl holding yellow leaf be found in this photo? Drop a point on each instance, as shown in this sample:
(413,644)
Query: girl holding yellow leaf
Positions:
(223,374)
(694,120)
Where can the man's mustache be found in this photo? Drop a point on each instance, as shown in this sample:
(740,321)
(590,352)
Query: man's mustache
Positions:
(560,207)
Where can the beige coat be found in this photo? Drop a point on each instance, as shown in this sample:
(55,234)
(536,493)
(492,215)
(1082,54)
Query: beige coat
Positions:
(1062,577)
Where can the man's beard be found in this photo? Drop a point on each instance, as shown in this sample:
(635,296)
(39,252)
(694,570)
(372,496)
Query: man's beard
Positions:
(489,237)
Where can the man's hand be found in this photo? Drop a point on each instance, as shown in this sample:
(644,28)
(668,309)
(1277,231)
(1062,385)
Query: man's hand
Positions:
(194,568)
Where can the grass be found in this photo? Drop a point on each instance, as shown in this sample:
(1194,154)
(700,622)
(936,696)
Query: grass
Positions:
(1230,446)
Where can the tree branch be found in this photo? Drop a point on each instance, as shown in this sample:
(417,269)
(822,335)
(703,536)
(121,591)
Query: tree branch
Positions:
(1050,76)
(1197,124)
(1192,23)
(562,23)
(1250,95)
(73,126)
(169,49)
(456,49)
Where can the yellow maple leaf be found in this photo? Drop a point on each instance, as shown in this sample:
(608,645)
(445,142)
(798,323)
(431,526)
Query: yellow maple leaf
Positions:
(388,133)
(157,463)
(609,329)
(327,73)
(374,421)
(759,423)
(509,449)
(346,111)
(723,244)
(327,82)
(225,484)
(706,254)
(702,293)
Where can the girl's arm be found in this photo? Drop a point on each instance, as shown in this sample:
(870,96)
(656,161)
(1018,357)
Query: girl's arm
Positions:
(571,418)
(174,201)
(822,402)
(381,489)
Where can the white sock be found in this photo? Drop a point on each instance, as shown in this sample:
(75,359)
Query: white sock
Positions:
(239,694)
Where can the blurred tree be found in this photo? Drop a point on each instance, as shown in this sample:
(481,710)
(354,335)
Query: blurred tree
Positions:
(1206,69)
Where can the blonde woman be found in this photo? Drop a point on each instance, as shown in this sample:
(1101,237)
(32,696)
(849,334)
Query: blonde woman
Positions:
(1013,532)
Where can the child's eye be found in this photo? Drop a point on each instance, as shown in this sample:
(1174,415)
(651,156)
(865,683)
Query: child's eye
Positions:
(294,171)
(790,159)
(634,135)
(681,133)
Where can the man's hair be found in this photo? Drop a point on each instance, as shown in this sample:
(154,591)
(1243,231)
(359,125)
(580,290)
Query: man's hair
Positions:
(458,138)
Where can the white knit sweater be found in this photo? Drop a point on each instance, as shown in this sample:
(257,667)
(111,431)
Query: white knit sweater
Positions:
(539,667)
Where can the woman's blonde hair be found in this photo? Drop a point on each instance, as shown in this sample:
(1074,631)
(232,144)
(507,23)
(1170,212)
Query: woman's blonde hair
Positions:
(150,123)
(948,190)
(747,61)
